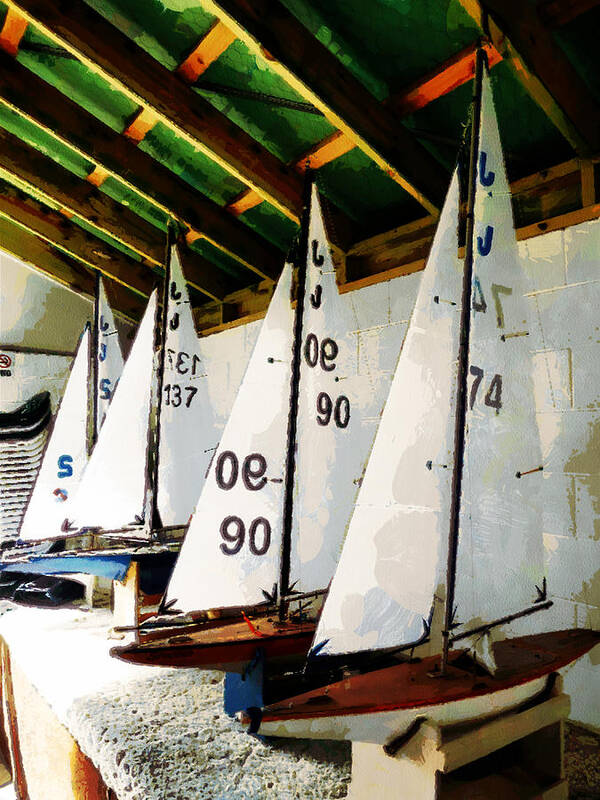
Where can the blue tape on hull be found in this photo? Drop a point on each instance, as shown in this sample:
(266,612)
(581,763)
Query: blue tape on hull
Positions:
(109,566)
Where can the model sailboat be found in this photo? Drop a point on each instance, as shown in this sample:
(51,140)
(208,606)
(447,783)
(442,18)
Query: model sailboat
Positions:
(138,488)
(444,549)
(269,524)
(94,374)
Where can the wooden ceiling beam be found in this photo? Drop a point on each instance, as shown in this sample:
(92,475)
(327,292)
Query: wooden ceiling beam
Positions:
(74,25)
(208,49)
(44,258)
(308,67)
(12,32)
(333,146)
(557,13)
(518,33)
(456,71)
(544,201)
(43,177)
(444,79)
(41,103)
(93,253)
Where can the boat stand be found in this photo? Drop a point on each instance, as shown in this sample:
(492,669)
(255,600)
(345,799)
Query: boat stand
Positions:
(517,755)
(244,691)
(126,598)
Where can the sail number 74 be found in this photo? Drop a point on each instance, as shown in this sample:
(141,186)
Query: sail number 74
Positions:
(493,396)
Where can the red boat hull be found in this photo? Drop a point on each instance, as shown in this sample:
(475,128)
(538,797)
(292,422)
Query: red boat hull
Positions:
(225,644)
(376,706)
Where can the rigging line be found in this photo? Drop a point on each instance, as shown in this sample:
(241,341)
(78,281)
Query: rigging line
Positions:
(261,97)
(463,366)
(301,259)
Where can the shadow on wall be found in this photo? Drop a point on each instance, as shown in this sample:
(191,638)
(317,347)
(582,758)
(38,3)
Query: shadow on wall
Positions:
(35,311)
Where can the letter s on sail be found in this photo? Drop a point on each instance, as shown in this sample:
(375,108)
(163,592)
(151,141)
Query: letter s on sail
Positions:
(65,466)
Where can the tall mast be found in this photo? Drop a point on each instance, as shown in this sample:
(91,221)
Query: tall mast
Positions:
(93,379)
(463,363)
(290,461)
(151,515)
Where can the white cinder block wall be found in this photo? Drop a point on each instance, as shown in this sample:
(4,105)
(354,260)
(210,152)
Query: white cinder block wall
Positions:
(564,296)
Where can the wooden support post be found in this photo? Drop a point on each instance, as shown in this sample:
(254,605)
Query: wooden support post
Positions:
(126,597)
(518,755)
(588,184)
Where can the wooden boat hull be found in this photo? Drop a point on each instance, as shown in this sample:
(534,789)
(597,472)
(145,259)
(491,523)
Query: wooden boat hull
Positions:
(222,644)
(381,705)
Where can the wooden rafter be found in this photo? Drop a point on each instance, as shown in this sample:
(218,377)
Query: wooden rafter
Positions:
(42,177)
(106,51)
(444,79)
(308,66)
(45,258)
(140,125)
(12,31)
(404,249)
(41,103)
(453,73)
(518,33)
(243,202)
(325,151)
(208,49)
(93,253)
(556,13)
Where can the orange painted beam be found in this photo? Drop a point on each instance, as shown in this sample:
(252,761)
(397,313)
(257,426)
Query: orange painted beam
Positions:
(449,76)
(143,122)
(325,151)
(12,31)
(244,202)
(97,176)
(208,49)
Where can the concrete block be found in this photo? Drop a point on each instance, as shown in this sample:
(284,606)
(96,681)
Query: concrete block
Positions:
(565,317)
(587,508)
(583,685)
(570,441)
(552,380)
(586,376)
(543,259)
(558,498)
(371,306)
(582,246)
(379,348)
(572,568)
(403,294)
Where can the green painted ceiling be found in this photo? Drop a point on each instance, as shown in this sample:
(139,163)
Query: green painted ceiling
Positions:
(386,44)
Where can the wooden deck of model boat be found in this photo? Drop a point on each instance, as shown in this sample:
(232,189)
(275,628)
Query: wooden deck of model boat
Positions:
(400,693)
(222,644)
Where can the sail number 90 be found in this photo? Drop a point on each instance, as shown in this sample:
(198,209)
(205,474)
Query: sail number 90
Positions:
(227,471)
(326,408)
(233,533)
(323,354)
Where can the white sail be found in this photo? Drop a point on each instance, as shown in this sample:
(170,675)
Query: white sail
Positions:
(111,492)
(65,456)
(187,427)
(110,358)
(232,548)
(500,556)
(393,561)
(329,460)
